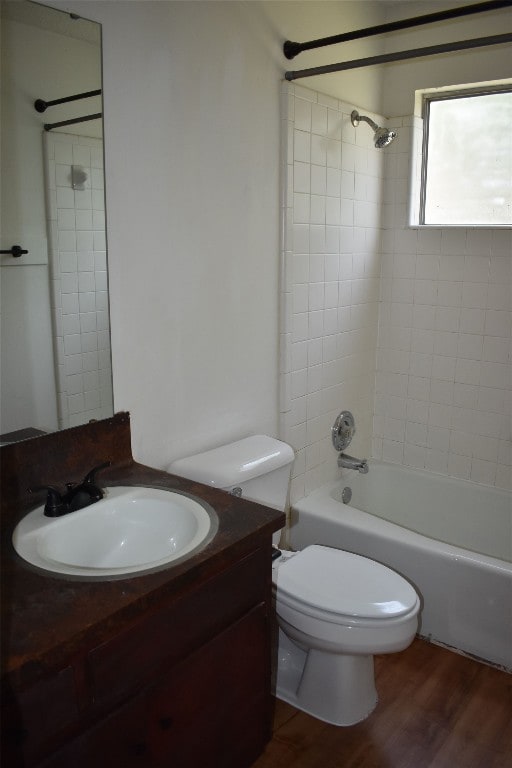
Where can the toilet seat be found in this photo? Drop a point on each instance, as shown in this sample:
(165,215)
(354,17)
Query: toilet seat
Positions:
(343,588)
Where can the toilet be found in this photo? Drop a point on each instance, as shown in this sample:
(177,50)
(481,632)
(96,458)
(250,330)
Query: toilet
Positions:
(335,609)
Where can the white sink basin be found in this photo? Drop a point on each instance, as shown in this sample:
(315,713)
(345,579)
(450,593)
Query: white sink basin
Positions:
(132,529)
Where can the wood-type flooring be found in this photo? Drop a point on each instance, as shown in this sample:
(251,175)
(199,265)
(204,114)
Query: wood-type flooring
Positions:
(437,709)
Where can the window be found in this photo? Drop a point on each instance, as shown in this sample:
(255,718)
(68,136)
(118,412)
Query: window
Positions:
(466,176)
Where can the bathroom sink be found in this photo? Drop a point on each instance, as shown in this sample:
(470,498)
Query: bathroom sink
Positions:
(132,529)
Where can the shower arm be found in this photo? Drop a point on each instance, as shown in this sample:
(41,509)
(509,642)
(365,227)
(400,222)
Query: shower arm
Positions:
(369,121)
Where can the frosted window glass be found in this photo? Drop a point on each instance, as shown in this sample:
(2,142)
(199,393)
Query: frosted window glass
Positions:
(469,171)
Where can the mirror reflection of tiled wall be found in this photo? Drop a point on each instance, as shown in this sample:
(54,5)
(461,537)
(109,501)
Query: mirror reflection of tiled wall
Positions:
(78,259)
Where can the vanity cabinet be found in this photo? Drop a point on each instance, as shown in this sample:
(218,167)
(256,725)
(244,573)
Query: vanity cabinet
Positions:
(187,685)
(169,669)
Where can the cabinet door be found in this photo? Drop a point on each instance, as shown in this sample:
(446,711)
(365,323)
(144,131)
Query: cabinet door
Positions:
(33,718)
(213,710)
(118,741)
(210,711)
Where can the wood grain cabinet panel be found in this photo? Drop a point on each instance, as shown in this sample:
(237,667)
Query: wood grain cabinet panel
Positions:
(37,715)
(124,663)
(120,739)
(186,686)
(210,711)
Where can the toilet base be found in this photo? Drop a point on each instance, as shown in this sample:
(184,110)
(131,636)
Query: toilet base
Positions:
(336,688)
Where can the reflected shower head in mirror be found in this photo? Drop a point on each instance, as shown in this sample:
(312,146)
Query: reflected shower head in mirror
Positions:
(383,136)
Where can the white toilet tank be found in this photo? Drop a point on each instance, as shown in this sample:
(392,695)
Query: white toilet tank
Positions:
(256,468)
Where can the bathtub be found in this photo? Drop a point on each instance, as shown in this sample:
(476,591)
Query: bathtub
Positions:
(452,539)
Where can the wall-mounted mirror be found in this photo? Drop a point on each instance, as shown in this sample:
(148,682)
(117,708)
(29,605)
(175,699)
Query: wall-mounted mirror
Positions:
(55,333)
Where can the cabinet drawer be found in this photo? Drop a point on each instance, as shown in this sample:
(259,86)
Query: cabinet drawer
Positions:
(125,663)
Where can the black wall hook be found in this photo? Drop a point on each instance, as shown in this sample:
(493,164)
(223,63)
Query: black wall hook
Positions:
(16,251)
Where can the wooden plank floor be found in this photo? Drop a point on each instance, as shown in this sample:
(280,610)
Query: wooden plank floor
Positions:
(436,709)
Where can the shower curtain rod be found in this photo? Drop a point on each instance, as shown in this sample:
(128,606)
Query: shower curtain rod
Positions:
(430,50)
(40,105)
(291,49)
(49,126)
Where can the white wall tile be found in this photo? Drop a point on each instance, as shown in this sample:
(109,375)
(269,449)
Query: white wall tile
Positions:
(317,209)
(472,320)
(495,349)
(442,391)
(319,119)
(499,296)
(301,146)
(70,324)
(474,295)
(70,303)
(302,115)
(301,208)
(302,177)
(318,152)
(72,344)
(342,290)
(319,176)
(442,367)
(498,323)
(71,220)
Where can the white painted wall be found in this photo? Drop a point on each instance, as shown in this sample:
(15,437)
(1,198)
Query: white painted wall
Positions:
(192,98)
(304,21)
(401,79)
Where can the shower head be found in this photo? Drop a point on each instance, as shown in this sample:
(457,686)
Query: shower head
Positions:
(383,136)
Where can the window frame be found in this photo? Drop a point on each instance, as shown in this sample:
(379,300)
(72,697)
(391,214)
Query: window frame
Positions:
(440,95)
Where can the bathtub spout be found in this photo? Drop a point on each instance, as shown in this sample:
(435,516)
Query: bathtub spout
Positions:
(349,462)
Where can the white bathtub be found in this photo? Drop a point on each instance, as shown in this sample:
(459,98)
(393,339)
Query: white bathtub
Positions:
(452,539)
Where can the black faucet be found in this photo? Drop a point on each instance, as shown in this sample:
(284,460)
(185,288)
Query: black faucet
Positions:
(76,496)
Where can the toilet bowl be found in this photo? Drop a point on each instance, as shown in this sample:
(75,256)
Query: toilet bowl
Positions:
(335,610)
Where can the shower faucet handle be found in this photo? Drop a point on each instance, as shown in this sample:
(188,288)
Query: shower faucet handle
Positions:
(343,430)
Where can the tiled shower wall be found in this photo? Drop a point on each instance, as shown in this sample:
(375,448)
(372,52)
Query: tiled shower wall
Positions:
(444,379)
(434,390)
(331,209)
(78,259)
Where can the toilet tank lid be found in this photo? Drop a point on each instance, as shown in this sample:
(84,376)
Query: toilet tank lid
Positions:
(235,463)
